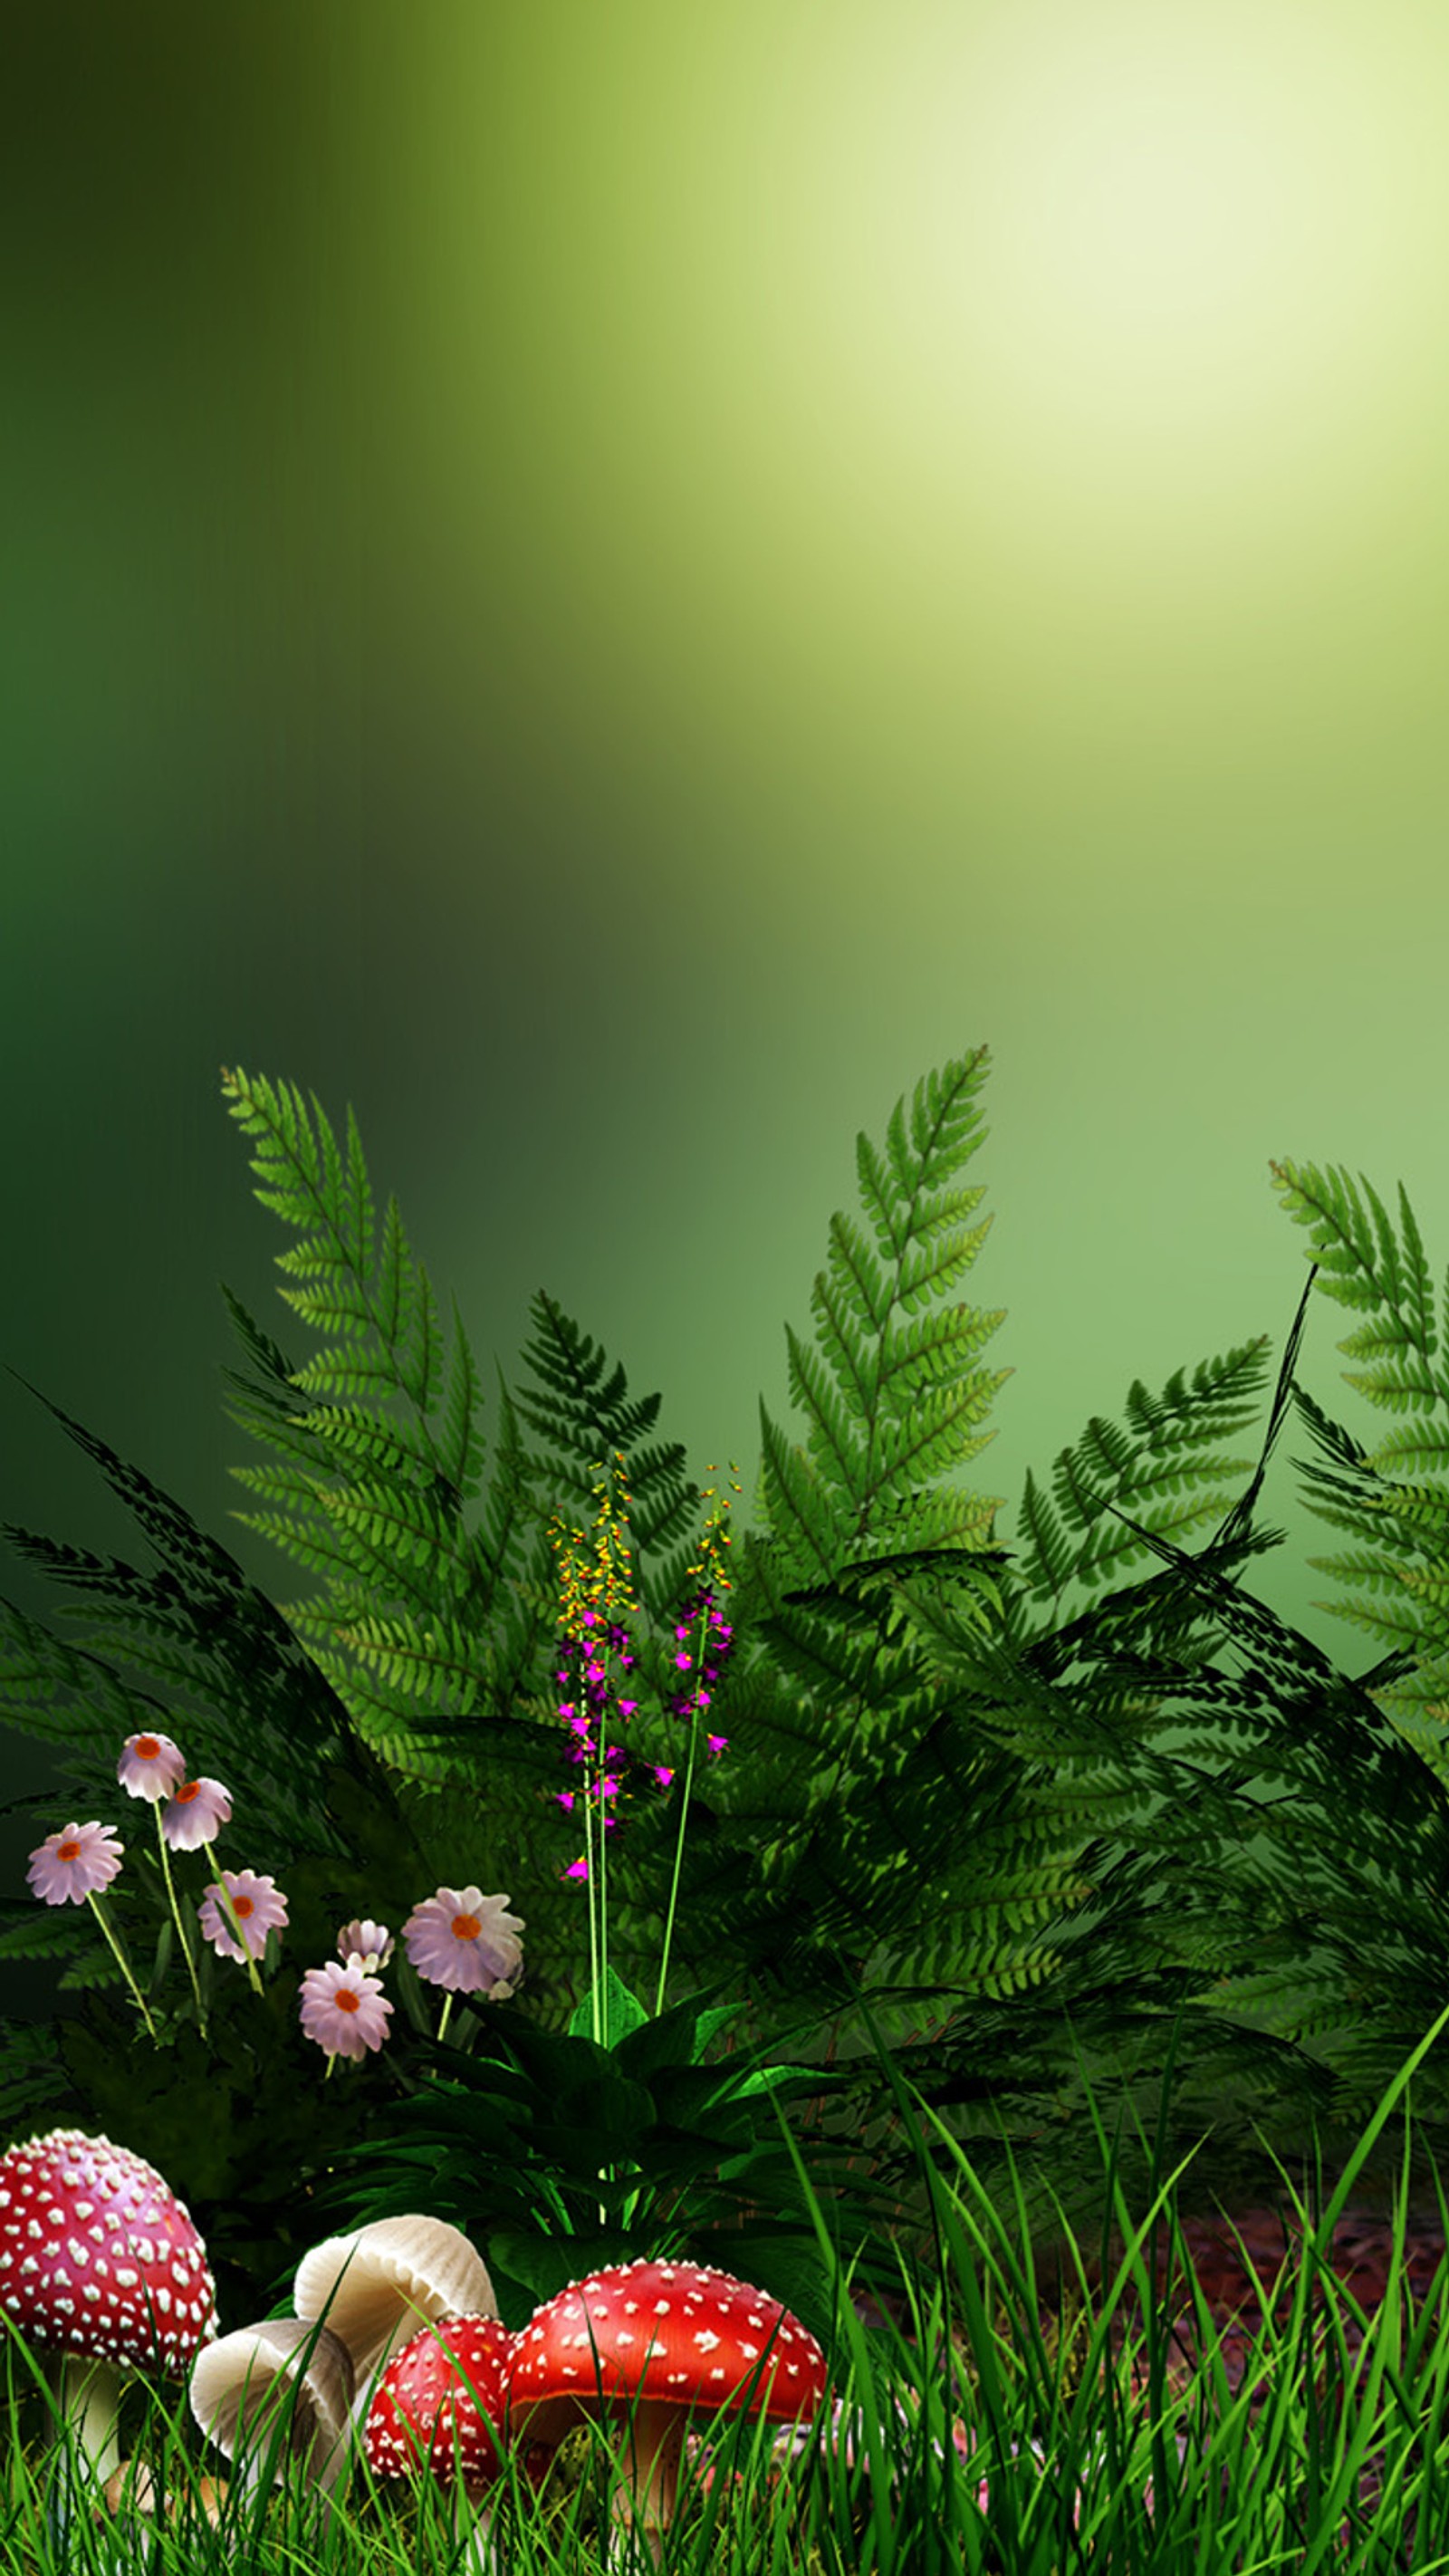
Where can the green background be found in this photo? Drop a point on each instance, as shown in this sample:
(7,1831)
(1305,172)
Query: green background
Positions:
(612,584)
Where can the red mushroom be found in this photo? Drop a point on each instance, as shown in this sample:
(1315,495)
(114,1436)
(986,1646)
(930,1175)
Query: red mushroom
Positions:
(440,2405)
(650,2341)
(100,2263)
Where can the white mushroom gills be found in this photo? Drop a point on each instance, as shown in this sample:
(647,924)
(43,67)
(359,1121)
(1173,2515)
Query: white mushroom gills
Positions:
(279,2376)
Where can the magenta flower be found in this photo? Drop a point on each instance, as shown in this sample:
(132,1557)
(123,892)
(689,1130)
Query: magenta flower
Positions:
(151,1766)
(73,1865)
(370,1942)
(259,1908)
(344,2010)
(193,1813)
(465,1941)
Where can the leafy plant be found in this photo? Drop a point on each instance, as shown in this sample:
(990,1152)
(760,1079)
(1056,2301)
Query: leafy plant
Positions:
(946,1791)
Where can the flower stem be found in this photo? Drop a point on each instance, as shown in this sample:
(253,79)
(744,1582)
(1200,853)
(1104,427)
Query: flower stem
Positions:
(95,1905)
(180,1926)
(678,1860)
(233,1918)
(711,1571)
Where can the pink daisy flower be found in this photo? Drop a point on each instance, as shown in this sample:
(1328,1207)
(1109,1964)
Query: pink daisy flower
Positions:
(193,1813)
(465,1941)
(343,2009)
(73,1865)
(370,1942)
(151,1766)
(259,1909)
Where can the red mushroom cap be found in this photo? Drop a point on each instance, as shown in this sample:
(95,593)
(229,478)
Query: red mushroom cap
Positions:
(98,2256)
(428,2400)
(676,2333)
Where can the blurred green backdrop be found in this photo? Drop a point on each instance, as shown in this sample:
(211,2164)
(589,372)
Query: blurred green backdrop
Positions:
(612,584)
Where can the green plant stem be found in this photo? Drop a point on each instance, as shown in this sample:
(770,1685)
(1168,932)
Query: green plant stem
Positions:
(678,1859)
(599,1911)
(95,1905)
(176,1918)
(232,1916)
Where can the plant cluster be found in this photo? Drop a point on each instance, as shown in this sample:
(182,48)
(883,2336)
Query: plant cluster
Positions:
(1051,1818)
(967,2442)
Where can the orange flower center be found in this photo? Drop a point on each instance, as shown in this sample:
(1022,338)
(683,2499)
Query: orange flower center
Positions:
(466,1927)
(147,1747)
(242,1906)
(346,2000)
(188,1790)
(67,1851)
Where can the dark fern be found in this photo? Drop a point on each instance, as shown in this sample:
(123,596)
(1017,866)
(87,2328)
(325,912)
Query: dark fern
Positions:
(1395,1496)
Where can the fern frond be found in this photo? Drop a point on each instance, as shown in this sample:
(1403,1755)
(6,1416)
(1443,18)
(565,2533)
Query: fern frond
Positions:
(440,1661)
(1080,1533)
(586,1418)
(889,1404)
(1365,1268)
(359,1288)
(63,1696)
(45,1932)
(33,2085)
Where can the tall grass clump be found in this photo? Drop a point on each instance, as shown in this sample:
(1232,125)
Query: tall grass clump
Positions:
(970,2430)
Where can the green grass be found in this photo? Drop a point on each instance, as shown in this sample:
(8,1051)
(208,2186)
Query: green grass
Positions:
(1121,2461)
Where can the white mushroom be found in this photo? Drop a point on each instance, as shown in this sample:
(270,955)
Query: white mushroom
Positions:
(378,2285)
(282,2373)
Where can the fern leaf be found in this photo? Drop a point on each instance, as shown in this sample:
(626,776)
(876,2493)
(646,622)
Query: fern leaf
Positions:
(397,1289)
(1064,1538)
(33,2085)
(41,1934)
(888,1404)
(460,1447)
(586,1418)
(1363,1266)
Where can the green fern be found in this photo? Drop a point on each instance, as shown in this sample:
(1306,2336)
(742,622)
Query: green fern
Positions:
(1397,1495)
(434,1625)
(202,1642)
(585,1419)
(380,1448)
(1148,1469)
(854,1787)
(939,1785)
(891,1396)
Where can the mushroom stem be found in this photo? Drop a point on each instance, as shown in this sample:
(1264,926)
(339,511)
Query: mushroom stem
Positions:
(475,2510)
(648,2487)
(90,2396)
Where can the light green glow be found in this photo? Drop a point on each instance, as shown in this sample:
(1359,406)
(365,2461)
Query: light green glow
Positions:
(943,425)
